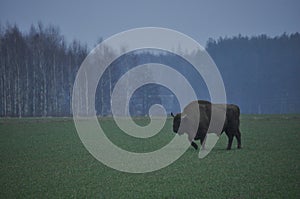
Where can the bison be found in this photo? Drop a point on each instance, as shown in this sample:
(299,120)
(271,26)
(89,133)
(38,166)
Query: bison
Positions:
(184,122)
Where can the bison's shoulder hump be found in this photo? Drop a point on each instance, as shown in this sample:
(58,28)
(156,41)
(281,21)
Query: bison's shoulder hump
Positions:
(203,102)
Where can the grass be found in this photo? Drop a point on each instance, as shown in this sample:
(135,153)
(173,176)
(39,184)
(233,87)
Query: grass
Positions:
(44,158)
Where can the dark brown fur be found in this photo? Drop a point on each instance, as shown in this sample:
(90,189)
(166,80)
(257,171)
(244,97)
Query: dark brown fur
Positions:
(183,122)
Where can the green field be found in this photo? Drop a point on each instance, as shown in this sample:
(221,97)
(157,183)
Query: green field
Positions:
(44,158)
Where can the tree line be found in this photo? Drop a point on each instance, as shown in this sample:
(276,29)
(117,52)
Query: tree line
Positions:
(260,73)
(38,69)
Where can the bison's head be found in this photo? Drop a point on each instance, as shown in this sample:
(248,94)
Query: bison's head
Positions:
(176,122)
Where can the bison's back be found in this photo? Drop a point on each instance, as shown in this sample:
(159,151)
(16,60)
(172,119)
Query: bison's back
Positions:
(198,108)
(225,115)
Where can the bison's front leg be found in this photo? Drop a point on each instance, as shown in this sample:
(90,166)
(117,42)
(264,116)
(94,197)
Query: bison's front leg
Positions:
(201,135)
(194,145)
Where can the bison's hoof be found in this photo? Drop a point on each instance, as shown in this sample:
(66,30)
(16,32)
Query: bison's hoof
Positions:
(228,148)
(239,147)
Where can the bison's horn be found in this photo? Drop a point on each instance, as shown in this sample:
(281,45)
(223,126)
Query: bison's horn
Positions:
(172,114)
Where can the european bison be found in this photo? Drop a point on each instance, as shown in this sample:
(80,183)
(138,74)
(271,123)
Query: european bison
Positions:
(184,122)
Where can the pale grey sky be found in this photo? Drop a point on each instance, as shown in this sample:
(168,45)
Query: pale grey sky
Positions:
(200,19)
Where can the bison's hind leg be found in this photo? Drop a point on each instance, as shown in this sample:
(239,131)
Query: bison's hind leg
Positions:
(238,137)
(230,136)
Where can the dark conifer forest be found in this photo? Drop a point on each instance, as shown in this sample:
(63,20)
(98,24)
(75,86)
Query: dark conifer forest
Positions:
(260,73)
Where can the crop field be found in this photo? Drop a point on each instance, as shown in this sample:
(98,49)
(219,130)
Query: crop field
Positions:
(44,158)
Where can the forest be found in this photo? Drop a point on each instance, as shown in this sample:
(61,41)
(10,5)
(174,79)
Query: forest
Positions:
(38,69)
(260,73)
